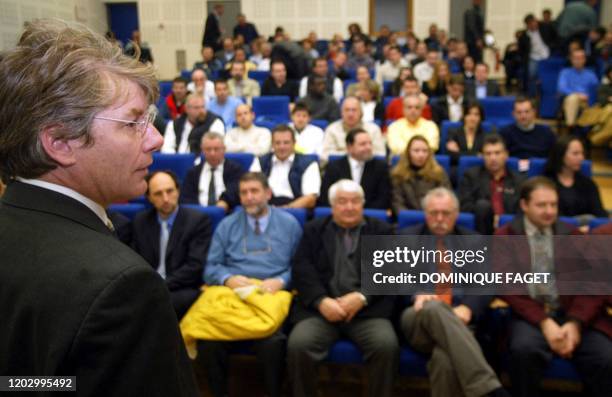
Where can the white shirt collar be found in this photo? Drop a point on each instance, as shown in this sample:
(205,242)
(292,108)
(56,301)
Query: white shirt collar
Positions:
(289,160)
(354,163)
(451,101)
(66,191)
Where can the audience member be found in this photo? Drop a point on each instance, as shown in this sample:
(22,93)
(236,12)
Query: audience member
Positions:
(548,30)
(578,194)
(532,48)
(226,53)
(482,87)
(468,67)
(146,56)
(333,85)
(419,55)
(338,66)
(247,137)
(599,116)
(363,75)
(361,166)
(240,55)
(416,173)
(173,239)
(329,303)
(490,190)
(412,124)
(424,70)
(389,70)
(308,137)
(576,19)
(436,85)
(246,29)
(322,105)
(474,30)
(200,85)
(212,28)
(575,84)
(432,40)
(545,321)
(396,86)
(209,64)
(395,108)
(295,179)
(174,105)
(525,138)
(334,142)
(372,108)
(359,56)
(277,83)
(266,57)
(215,180)
(254,243)
(183,135)
(224,104)
(239,86)
(468,139)
(450,106)
(437,322)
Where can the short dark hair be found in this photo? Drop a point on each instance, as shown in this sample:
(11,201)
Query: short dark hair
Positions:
(534,183)
(350,136)
(456,79)
(523,98)
(220,81)
(319,59)
(394,47)
(410,78)
(493,139)
(283,128)
(277,61)
(180,79)
(300,107)
(528,18)
(171,173)
(255,176)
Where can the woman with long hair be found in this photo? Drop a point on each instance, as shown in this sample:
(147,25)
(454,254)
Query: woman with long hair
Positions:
(467,140)
(578,194)
(416,173)
(436,86)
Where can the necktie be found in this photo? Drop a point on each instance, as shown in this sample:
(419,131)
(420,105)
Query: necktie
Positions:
(164,234)
(443,290)
(212,194)
(257,227)
(347,240)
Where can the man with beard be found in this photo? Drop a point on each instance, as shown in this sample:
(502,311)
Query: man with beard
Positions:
(257,242)
(184,134)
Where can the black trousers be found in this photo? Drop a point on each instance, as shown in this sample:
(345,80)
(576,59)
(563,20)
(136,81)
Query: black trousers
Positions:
(270,355)
(182,299)
(530,356)
(483,216)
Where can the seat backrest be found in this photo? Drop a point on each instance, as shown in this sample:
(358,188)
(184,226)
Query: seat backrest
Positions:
(536,167)
(129,210)
(177,163)
(498,107)
(216,214)
(505,218)
(275,107)
(320,212)
(407,218)
(245,159)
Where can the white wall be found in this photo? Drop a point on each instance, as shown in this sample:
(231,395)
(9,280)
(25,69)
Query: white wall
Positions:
(430,11)
(605,19)
(14,13)
(299,17)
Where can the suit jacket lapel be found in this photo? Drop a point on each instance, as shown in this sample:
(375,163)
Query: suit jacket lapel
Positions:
(345,168)
(175,233)
(329,242)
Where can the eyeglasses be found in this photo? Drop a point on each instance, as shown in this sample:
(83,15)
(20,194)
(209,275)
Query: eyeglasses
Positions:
(139,126)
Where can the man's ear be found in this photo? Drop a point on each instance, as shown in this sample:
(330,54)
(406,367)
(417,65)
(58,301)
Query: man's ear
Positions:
(61,150)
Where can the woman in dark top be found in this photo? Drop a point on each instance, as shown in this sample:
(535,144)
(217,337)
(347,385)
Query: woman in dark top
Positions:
(436,86)
(467,140)
(578,194)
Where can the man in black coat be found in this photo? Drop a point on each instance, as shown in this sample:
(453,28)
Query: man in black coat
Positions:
(326,272)
(481,87)
(450,106)
(360,166)
(212,28)
(473,30)
(75,301)
(491,189)
(174,240)
(437,322)
(222,189)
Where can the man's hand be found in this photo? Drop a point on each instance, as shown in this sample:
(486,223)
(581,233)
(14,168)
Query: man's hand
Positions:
(272,285)
(351,303)
(571,331)
(464,313)
(523,165)
(331,310)
(223,205)
(553,335)
(420,300)
(237,281)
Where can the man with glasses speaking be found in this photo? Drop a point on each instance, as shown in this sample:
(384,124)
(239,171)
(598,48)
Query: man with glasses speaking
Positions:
(76,135)
(256,242)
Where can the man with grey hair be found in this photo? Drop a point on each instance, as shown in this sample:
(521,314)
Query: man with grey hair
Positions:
(326,272)
(437,323)
(76,135)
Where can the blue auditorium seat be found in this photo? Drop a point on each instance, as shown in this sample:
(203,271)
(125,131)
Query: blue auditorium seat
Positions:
(322,124)
(186,74)
(498,110)
(505,218)
(298,213)
(274,108)
(320,212)
(442,159)
(548,74)
(216,214)
(165,87)
(129,210)
(536,167)
(245,159)
(414,217)
(598,222)
(178,163)
(258,75)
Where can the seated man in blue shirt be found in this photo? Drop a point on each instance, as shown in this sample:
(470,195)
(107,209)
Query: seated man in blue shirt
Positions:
(574,85)
(224,105)
(254,243)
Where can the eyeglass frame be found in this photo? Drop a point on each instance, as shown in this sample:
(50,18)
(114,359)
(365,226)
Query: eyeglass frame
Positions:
(151,114)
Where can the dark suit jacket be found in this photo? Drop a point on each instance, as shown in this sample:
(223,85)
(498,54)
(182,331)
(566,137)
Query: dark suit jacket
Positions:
(123,226)
(475,185)
(313,267)
(587,309)
(439,109)
(187,245)
(232,171)
(374,181)
(458,135)
(76,301)
(212,32)
(492,89)
(476,303)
